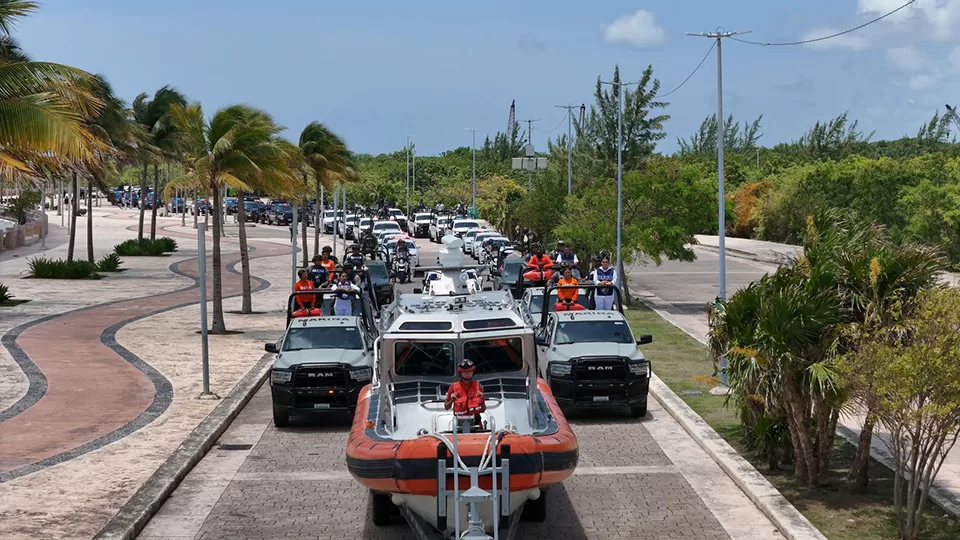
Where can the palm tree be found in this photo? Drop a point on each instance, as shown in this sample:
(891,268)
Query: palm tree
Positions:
(120,136)
(43,105)
(153,116)
(326,157)
(237,147)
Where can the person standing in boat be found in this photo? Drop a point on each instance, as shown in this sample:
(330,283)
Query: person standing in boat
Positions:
(466,397)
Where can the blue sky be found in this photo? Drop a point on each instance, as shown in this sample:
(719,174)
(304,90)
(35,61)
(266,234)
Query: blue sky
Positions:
(376,71)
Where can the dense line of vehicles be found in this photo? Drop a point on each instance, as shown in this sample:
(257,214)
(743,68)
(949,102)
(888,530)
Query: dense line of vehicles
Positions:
(459,389)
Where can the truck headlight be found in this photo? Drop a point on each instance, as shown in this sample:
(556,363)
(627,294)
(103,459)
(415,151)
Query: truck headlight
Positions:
(640,369)
(362,374)
(558,369)
(280,377)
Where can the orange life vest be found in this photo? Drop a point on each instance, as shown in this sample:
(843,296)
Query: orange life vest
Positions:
(471,397)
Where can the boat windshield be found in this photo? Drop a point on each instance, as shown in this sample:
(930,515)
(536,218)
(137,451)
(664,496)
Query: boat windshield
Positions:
(424,358)
(322,337)
(593,332)
(495,355)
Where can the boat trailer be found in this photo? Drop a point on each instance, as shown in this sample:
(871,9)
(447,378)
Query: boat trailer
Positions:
(450,465)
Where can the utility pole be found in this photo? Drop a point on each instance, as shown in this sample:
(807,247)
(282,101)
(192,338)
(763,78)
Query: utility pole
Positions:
(406,150)
(721,225)
(721,228)
(413,153)
(569,109)
(474,130)
(619,89)
(529,150)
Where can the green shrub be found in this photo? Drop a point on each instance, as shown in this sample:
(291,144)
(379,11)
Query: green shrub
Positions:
(169,244)
(60,269)
(5,295)
(109,263)
(149,248)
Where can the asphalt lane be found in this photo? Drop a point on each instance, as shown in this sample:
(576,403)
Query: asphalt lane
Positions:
(636,478)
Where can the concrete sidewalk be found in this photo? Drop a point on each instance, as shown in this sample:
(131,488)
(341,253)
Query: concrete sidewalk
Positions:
(946,491)
(76,496)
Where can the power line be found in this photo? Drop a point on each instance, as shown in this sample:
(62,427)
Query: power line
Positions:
(694,72)
(552,130)
(824,38)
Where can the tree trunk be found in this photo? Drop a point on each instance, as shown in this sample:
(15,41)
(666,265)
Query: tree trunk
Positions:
(143,191)
(74,188)
(90,256)
(247,306)
(219,326)
(156,201)
(317,221)
(860,468)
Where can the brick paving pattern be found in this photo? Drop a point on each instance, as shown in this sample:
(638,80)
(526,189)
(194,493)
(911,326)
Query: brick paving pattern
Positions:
(93,391)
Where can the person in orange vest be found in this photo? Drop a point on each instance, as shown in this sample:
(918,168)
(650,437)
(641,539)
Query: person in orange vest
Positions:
(567,298)
(466,397)
(304,301)
(539,266)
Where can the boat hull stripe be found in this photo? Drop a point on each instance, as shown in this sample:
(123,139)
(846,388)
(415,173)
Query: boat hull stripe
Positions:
(426,468)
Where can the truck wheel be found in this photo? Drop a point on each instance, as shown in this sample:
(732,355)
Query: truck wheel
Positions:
(280,418)
(536,511)
(382,509)
(638,412)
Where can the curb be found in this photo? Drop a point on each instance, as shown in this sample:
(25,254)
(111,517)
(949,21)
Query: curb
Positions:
(788,520)
(740,254)
(137,512)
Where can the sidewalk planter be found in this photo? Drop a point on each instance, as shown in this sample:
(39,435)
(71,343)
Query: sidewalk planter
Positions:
(23,235)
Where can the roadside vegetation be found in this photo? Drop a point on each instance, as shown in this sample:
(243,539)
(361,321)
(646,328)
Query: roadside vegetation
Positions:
(837,509)
(148,246)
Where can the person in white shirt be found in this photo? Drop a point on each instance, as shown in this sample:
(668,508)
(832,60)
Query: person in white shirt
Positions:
(346,291)
(605,276)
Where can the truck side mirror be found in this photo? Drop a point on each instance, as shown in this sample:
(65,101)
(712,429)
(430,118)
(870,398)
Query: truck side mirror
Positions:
(270,348)
(644,339)
(417,290)
(541,340)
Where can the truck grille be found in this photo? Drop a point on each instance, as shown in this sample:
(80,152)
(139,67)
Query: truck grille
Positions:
(309,377)
(600,369)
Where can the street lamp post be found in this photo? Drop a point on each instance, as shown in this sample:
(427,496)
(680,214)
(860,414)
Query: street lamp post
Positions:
(474,147)
(721,206)
(619,87)
(406,151)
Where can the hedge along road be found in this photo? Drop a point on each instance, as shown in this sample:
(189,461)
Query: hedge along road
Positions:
(86,390)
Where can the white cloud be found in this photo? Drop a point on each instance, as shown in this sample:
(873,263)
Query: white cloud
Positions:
(638,29)
(924,81)
(922,21)
(909,59)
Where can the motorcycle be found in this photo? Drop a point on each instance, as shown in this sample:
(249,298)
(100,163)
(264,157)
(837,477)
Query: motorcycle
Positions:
(401,269)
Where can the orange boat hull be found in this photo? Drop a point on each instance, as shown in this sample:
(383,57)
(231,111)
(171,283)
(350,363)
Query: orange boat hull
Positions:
(410,466)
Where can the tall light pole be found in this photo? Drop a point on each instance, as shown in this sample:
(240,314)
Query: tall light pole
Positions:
(721,225)
(569,109)
(413,153)
(619,89)
(474,130)
(407,152)
(721,212)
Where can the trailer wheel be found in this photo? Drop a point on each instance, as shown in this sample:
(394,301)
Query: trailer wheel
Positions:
(382,509)
(536,511)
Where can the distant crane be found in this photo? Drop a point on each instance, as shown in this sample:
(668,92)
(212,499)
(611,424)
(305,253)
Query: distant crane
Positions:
(512,120)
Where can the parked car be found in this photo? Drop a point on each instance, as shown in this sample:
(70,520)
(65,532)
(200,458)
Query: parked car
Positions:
(230,204)
(397,215)
(438,227)
(458,227)
(175,205)
(279,213)
(252,210)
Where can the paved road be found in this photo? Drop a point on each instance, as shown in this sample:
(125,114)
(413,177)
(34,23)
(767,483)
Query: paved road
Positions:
(636,479)
(682,290)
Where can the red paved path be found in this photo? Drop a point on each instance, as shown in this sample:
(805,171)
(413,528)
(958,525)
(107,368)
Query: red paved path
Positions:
(92,390)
